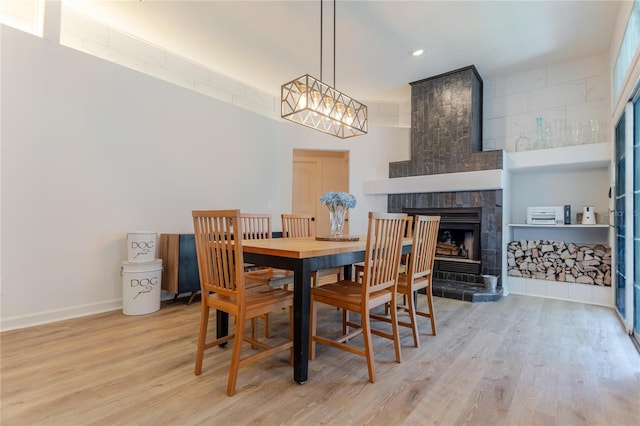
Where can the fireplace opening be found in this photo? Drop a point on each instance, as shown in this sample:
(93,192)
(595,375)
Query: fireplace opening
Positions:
(458,243)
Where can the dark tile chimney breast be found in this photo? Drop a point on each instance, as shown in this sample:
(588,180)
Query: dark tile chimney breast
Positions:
(446,137)
(446,127)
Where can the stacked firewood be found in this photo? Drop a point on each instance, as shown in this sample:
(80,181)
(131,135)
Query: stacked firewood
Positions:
(560,261)
(447,249)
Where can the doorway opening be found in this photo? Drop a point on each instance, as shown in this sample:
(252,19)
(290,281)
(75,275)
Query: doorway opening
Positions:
(314,173)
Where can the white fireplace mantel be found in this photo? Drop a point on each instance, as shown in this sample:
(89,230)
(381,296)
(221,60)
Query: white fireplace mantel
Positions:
(483,180)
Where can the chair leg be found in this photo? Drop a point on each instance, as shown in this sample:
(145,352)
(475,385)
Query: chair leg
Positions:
(387,307)
(235,356)
(202,336)
(267,323)
(394,327)
(411,308)
(266,327)
(368,346)
(357,271)
(432,315)
(345,320)
(253,331)
(312,329)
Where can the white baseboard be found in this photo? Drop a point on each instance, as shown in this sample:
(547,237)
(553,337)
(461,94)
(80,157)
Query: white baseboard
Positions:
(24,321)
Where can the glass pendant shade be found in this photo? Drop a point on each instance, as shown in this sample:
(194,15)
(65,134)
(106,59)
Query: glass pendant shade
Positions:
(312,103)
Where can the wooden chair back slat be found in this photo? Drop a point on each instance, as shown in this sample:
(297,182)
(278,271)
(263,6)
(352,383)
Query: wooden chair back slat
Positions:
(297,225)
(301,226)
(424,246)
(383,250)
(409,227)
(219,252)
(255,226)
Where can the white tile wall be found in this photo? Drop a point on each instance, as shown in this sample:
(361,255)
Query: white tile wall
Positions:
(558,95)
(574,91)
(514,103)
(582,68)
(522,82)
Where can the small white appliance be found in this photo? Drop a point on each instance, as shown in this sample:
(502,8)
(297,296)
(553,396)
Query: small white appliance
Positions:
(551,215)
(588,215)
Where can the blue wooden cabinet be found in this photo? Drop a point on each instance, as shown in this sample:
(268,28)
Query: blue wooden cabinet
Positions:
(180,265)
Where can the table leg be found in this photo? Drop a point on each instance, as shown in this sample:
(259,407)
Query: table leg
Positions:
(301,312)
(347,272)
(222,325)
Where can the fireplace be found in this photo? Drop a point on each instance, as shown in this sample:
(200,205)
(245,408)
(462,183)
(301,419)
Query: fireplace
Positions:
(446,141)
(458,245)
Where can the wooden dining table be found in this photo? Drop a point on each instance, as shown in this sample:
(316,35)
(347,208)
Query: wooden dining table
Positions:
(302,256)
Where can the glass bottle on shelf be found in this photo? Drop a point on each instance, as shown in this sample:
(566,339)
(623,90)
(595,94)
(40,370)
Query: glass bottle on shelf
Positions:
(576,133)
(523,143)
(560,132)
(595,131)
(549,137)
(540,141)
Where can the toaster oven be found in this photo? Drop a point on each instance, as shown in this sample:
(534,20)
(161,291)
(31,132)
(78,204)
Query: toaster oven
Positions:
(552,215)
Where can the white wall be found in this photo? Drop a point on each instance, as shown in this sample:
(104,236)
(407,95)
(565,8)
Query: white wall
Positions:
(92,150)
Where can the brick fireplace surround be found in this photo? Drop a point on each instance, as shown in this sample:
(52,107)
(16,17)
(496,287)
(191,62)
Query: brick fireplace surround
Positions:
(446,137)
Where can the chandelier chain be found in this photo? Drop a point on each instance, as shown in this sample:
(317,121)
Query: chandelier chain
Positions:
(313,103)
(321,38)
(334,43)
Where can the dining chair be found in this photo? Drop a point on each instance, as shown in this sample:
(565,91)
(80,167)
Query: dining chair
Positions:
(418,275)
(301,226)
(359,267)
(257,226)
(382,257)
(222,281)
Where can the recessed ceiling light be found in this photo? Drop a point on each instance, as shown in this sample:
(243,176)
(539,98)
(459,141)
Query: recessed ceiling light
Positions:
(417,52)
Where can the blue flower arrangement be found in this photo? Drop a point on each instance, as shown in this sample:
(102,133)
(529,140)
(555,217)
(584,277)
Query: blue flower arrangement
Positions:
(343,199)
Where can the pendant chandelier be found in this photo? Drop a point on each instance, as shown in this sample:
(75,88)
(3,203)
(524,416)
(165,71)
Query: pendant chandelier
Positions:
(313,103)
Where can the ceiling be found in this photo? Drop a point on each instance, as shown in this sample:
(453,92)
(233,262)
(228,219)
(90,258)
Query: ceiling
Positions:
(267,43)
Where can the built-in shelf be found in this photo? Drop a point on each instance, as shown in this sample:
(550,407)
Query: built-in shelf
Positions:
(576,157)
(524,225)
(579,234)
(569,164)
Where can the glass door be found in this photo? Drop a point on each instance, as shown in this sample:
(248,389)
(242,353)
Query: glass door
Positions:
(619,223)
(627,223)
(635,219)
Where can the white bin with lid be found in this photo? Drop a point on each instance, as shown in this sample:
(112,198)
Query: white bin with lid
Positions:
(141,246)
(141,282)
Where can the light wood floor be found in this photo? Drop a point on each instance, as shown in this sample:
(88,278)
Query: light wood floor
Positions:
(519,361)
